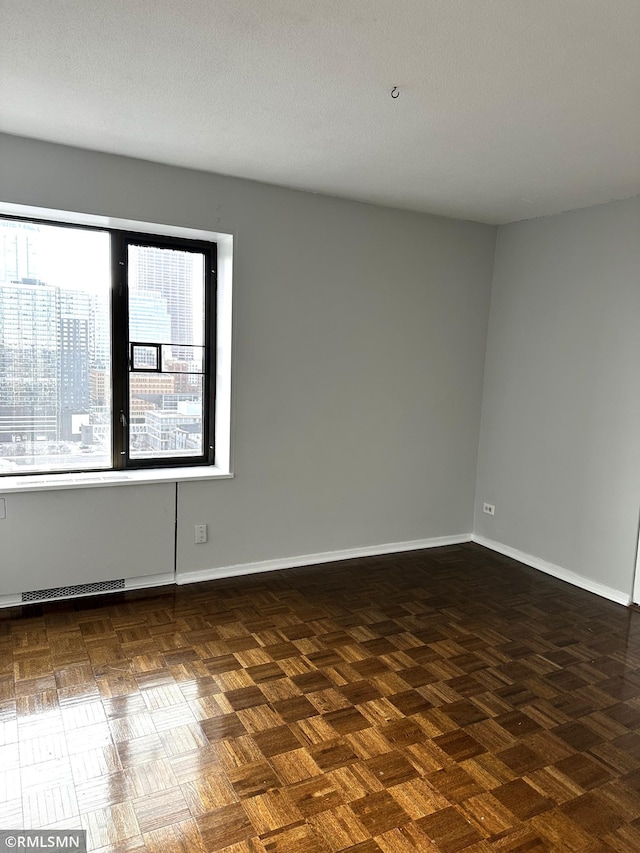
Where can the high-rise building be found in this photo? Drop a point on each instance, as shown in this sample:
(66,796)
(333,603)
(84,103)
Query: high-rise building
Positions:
(100,356)
(169,274)
(99,388)
(149,318)
(19,251)
(29,340)
(29,361)
(75,321)
(100,331)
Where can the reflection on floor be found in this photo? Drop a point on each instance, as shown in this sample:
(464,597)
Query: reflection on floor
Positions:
(441,700)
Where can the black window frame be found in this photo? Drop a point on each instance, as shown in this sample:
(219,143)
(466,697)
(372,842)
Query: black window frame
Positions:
(120,240)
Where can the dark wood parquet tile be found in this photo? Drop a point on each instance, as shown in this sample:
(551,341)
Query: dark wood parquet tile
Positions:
(440,701)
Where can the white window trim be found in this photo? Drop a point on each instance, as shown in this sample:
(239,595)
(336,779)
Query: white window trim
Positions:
(222,467)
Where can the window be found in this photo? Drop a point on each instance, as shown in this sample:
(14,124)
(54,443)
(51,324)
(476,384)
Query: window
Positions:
(107,348)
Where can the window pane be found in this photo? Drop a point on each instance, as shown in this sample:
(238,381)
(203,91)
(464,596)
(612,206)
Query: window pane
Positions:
(166,298)
(166,306)
(55,348)
(165,422)
(145,358)
(191,362)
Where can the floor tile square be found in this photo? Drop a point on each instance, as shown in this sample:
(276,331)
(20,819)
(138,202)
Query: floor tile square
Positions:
(276,741)
(225,826)
(459,745)
(379,812)
(294,709)
(391,769)
(521,799)
(245,697)
(449,830)
(223,727)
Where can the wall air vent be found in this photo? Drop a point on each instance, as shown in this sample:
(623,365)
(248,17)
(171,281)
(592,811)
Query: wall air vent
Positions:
(72,591)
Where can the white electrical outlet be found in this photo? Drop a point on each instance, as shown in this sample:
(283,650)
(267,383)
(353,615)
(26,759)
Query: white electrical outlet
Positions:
(201,534)
(489,509)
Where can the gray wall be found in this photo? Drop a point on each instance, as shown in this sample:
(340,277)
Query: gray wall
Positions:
(360,340)
(53,539)
(560,440)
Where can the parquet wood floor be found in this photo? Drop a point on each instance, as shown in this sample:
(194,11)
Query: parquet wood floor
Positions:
(440,701)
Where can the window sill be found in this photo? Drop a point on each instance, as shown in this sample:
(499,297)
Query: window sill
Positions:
(88,480)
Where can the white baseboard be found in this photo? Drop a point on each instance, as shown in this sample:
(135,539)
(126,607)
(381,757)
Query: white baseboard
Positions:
(557,571)
(145,581)
(313,559)
(164,579)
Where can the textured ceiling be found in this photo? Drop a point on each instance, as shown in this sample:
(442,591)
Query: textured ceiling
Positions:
(508,109)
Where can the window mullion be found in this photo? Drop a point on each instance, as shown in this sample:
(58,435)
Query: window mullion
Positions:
(211,286)
(119,351)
